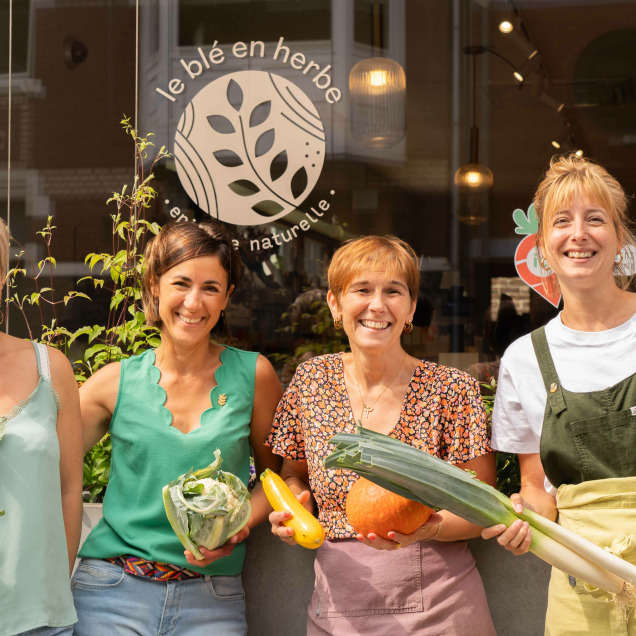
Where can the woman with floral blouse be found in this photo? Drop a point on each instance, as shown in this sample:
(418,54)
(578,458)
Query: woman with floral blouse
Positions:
(367,584)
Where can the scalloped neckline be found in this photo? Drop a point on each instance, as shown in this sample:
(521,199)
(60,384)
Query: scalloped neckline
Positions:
(155,373)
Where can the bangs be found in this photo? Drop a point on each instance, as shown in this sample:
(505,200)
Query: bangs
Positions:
(572,186)
(376,254)
(382,260)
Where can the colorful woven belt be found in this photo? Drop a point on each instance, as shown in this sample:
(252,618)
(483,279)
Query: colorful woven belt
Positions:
(153,569)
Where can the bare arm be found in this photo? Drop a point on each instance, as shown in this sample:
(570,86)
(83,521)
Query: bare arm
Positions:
(69,435)
(267,394)
(98,396)
(533,491)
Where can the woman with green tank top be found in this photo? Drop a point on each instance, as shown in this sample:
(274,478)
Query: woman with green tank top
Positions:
(566,396)
(40,483)
(167,411)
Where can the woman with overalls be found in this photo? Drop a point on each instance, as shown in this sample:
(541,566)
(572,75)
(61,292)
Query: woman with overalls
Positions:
(566,397)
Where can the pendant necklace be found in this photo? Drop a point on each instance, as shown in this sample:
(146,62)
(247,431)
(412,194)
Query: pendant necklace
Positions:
(368,408)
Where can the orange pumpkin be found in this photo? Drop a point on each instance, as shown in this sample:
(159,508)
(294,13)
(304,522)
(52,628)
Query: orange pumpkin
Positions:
(371,508)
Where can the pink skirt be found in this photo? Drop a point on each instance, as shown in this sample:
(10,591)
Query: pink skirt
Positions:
(426,589)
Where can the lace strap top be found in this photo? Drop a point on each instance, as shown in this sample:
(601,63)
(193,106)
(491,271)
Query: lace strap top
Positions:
(44,366)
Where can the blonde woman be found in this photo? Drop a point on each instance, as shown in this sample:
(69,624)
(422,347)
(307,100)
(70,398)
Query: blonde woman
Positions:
(40,482)
(366,584)
(567,393)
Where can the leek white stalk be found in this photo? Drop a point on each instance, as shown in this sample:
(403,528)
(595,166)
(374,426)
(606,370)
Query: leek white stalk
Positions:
(417,475)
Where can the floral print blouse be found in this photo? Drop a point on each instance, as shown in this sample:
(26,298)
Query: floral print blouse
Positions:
(442,414)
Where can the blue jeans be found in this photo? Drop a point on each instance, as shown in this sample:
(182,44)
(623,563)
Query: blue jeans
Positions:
(110,602)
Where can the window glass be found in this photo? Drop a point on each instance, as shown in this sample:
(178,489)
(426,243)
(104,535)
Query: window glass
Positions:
(276,126)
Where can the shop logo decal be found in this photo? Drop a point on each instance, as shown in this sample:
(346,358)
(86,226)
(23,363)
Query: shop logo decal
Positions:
(527,257)
(249,147)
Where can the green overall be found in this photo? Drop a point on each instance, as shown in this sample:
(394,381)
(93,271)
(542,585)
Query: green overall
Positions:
(588,451)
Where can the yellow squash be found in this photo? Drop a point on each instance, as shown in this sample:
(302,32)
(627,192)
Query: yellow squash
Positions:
(307,529)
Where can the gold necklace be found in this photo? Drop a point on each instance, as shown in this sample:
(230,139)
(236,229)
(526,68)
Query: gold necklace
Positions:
(366,408)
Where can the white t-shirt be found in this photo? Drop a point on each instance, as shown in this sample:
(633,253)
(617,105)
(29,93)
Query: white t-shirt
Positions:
(584,361)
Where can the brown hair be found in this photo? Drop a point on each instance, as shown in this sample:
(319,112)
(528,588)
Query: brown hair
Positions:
(376,253)
(180,242)
(4,251)
(569,176)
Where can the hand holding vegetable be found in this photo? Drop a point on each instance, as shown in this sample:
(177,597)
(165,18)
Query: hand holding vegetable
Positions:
(205,508)
(516,538)
(397,540)
(290,511)
(210,556)
(277,519)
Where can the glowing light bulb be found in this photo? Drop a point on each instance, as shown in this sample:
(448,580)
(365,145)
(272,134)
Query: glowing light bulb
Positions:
(473,178)
(506,27)
(378,78)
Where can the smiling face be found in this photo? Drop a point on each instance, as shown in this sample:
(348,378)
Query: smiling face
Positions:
(581,244)
(191,297)
(374,308)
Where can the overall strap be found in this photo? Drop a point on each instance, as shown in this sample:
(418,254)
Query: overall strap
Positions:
(42,356)
(548,372)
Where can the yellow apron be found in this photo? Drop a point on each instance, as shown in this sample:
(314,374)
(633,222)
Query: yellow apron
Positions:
(604,512)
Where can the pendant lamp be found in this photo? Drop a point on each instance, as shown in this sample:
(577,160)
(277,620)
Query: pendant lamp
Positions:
(377,94)
(473,179)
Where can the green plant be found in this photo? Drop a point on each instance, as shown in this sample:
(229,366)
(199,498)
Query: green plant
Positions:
(508,476)
(119,273)
(309,320)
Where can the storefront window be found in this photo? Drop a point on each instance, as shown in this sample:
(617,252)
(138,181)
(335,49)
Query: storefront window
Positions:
(253,101)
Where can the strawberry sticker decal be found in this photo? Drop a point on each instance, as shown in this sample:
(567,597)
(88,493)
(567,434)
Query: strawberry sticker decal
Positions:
(527,257)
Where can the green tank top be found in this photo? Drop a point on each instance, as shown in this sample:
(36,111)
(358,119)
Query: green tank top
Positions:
(35,590)
(148,453)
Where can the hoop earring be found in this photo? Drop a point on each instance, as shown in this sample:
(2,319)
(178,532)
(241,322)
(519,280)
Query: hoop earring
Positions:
(1,316)
(544,264)
(337,322)
(408,326)
(618,262)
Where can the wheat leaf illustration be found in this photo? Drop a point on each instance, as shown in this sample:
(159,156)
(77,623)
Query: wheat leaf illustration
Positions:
(267,208)
(264,142)
(234,95)
(221,124)
(279,165)
(260,113)
(299,182)
(222,399)
(244,187)
(228,158)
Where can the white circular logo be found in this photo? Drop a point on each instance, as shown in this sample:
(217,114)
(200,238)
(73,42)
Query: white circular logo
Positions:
(249,147)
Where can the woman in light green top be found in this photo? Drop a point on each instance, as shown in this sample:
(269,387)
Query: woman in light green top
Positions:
(167,411)
(40,483)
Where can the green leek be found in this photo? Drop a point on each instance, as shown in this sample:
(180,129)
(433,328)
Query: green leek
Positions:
(417,475)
